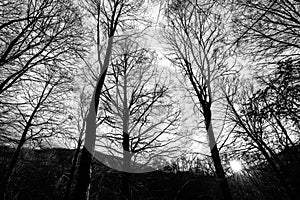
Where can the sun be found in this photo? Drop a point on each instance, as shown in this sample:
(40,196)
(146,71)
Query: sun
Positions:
(236,166)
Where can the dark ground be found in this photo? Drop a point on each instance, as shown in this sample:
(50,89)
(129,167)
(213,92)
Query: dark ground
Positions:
(43,174)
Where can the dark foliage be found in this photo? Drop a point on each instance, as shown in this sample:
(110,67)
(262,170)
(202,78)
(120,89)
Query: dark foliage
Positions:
(43,174)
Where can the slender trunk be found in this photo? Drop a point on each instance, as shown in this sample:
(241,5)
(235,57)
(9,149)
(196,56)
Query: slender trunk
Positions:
(284,131)
(125,189)
(84,171)
(83,177)
(288,139)
(72,172)
(5,182)
(216,156)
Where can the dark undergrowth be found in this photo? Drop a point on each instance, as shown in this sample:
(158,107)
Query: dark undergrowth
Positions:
(43,174)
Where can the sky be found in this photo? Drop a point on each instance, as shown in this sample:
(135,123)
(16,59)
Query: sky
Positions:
(191,124)
(199,138)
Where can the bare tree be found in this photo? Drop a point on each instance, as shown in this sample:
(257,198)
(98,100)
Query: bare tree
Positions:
(109,17)
(280,95)
(38,41)
(259,127)
(195,34)
(267,28)
(143,119)
(80,120)
(34,33)
(39,109)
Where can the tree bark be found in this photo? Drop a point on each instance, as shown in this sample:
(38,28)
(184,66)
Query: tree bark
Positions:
(5,182)
(81,190)
(72,172)
(216,156)
(125,189)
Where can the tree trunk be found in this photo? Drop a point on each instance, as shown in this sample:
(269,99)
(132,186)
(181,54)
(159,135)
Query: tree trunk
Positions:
(73,168)
(83,178)
(5,182)
(216,156)
(125,189)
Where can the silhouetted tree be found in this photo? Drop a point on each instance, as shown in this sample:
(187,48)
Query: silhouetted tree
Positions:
(142,116)
(110,17)
(37,33)
(195,34)
(267,28)
(38,43)
(40,117)
(260,117)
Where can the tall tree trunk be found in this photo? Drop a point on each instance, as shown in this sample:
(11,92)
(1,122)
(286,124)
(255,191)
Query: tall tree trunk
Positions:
(72,172)
(5,182)
(84,170)
(215,155)
(83,178)
(125,188)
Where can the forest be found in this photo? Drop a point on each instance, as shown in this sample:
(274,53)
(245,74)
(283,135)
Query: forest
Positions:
(149,99)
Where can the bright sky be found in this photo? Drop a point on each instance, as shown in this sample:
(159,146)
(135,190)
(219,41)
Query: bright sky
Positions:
(199,137)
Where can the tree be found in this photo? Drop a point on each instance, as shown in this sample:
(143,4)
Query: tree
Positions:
(110,17)
(37,33)
(80,120)
(142,116)
(34,36)
(260,125)
(281,93)
(195,34)
(39,109)
(83,84)
(267,29)
(38,41)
